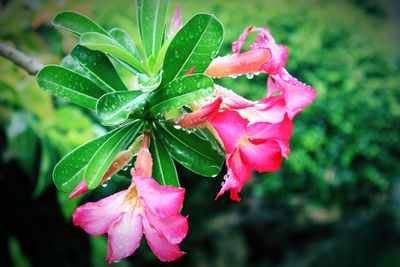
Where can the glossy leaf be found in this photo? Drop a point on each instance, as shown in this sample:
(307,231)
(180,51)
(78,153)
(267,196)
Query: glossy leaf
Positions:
(146,83)
(107,153)
(151,21)
(193,152)
(114,108)
(68,84)
(194,45)
(164,170)
(103,43)
(76,23)
(96,66)
(69,171)
(180,92)
(123,38)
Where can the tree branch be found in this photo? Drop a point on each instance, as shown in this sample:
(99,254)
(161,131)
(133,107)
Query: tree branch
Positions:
(27,63)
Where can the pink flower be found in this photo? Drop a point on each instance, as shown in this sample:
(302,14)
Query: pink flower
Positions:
(285,93)
(201,116)
(259,146)
(176,22)
(144,208)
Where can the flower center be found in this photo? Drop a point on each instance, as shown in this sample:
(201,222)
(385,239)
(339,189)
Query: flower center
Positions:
(132,201)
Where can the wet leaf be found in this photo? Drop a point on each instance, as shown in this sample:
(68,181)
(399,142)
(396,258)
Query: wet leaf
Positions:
(114,108)
(76,23)
(193,152)
(68,84)
(180,92)
(194,45)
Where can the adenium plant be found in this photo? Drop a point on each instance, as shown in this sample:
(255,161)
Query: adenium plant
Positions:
(175,113)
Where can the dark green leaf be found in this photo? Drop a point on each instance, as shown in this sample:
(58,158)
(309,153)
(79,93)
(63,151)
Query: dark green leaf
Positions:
(96,66)
(195,45)
(47,157)
(151,22)
(193,152)
(114,108)
(164,170)
(107,153)
(103,43)
(70,85)
(180,92)
(69,171)
(76,23)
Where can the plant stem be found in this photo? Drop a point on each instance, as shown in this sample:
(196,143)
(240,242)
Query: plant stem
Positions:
(23,61)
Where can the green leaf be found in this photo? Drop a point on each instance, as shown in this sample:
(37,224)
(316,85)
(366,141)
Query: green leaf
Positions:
(76,23)
(69,170)
(195,45)
(151,21)
(146,83)
(123,38)
(193,152)
(180,92)
(103,43)
(164,170)
(114,108)
(107,153)
(96,66)
(68,84)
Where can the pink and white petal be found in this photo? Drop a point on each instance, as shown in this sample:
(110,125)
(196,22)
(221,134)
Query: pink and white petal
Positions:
(164,250)
(231,99)
(96,217)
(230,127)
(174,228)
(238,174)
(297,94)
(265,157)
(237,45)
(238,64)
(163,201)
(124,236)
(271,110)
(176,22)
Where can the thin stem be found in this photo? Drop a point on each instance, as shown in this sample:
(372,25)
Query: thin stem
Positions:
(23,61)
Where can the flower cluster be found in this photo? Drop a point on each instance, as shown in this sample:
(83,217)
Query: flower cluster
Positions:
(254,134)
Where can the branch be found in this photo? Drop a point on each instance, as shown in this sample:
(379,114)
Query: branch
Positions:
(27,63)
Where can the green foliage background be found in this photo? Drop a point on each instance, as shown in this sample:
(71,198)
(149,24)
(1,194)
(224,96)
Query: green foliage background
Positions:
(345,147)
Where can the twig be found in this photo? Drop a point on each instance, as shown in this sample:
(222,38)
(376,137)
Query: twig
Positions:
(27,63)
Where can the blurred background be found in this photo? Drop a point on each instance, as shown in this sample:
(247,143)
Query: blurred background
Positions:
(335,202)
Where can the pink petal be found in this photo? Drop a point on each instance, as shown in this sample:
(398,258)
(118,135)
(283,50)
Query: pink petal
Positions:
(160,246)
(280,132)
(176,22)
(238,174)
(238,64)
(163,201)
(230,127)
(79,189)
(237,45)
(265,157)
(271,109)
(144,164)
(174,228)
(96,217)
(231,99)
(199,117)
(297,94)
(124,236)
